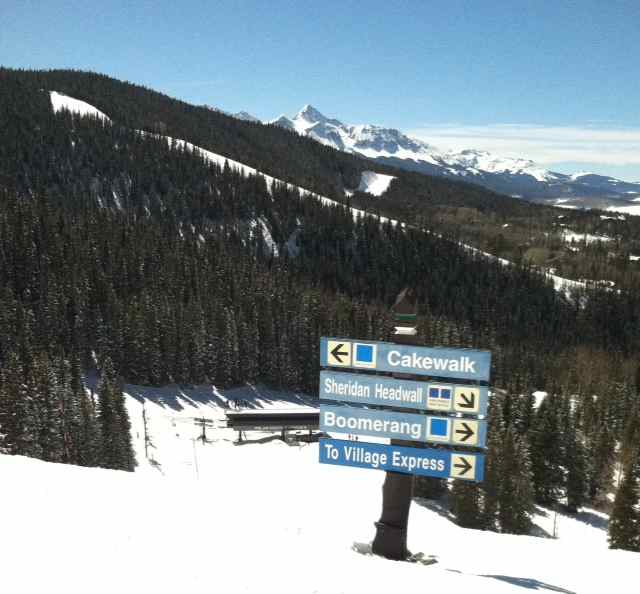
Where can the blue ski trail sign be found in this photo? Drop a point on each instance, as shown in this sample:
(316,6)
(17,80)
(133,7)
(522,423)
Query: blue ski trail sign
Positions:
(404,426)
(421,461)
(399,393)
(465,364)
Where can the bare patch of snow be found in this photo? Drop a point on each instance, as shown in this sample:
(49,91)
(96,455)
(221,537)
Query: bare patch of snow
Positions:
(538,397)
(572,236)
(375,183)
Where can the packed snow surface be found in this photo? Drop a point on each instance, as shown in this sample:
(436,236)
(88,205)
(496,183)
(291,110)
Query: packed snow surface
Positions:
(375,183)
(261,517)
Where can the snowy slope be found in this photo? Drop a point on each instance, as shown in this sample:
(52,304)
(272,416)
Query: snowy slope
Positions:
(631,209)
(261,517)
(60,102)
(374,181)
(518,177)
(81,108)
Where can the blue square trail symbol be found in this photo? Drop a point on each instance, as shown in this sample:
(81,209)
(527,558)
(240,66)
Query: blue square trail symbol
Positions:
(364,353)
(438,427)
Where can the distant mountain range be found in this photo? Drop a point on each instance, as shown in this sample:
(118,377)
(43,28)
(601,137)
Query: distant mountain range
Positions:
(520,178)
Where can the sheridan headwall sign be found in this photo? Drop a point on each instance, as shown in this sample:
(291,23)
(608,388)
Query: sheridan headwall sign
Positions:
(465,364)
(379,390)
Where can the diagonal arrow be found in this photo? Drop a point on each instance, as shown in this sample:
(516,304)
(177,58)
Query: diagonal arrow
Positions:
(468,401)
(465,465)
(467,432)
(336,353)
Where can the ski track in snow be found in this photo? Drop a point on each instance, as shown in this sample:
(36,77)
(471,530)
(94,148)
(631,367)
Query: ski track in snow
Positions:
(261,517)
(562,285)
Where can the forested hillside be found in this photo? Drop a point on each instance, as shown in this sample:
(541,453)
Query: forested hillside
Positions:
(504,226)
(124,254)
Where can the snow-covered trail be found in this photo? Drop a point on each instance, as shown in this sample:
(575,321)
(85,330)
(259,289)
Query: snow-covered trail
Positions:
(260,517)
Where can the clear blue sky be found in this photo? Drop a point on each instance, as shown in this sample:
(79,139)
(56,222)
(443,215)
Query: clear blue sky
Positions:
(554,70)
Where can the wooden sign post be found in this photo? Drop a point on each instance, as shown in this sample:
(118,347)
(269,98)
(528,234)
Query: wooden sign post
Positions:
(390,540)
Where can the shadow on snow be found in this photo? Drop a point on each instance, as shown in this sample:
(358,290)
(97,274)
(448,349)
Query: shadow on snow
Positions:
(528,583)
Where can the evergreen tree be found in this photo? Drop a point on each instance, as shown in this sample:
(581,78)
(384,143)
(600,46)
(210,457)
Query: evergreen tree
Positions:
(624,524)
(631,437)
(493,456)
(547,451)
(125,445)
(465,504)
(516,491)
(68,413)
(87,436)
(115,451)
(45,396)
(19,422)
(602,462)
(576,469)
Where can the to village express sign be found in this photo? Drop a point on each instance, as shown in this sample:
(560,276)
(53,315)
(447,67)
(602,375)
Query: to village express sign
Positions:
(425,462)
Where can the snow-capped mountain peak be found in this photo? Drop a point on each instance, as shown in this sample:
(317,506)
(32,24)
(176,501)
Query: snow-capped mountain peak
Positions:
(246,116)
(477,161)
(367,139)
(311,115)
(378,142)
(508,175)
